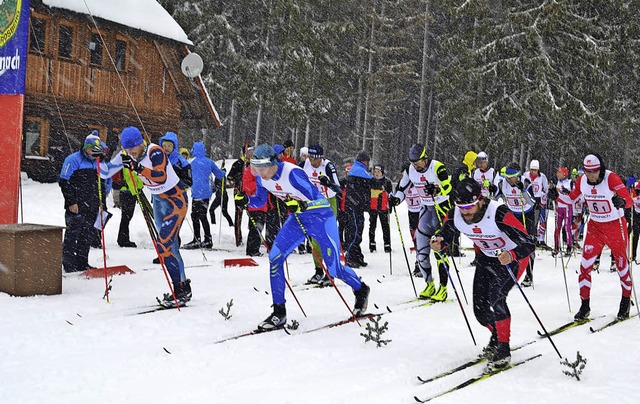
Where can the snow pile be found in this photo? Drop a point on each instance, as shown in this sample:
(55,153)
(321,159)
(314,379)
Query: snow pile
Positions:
(146,15)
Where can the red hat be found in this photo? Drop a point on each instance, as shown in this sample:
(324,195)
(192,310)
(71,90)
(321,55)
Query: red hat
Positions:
(564,171)
(591,163)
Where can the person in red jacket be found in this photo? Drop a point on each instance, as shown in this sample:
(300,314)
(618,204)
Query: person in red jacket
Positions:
(606,197)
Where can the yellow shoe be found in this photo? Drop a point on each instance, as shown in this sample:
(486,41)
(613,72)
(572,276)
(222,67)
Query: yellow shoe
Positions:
(440,295)
(428,291)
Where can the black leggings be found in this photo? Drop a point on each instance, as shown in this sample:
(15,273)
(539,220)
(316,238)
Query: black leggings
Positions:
(199,210)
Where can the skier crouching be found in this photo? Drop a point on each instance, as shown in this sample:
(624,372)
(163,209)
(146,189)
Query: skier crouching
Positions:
(492,227)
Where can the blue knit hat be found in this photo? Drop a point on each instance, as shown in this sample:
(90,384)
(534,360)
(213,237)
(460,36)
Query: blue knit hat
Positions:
(278,148)
(316,151)
(91,140)
(263,156)
(131,137)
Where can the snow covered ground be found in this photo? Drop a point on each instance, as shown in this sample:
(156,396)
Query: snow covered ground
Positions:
(76,348)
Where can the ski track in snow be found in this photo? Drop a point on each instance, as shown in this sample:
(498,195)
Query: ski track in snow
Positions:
(75,347)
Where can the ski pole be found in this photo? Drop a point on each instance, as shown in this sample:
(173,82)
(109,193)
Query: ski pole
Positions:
(390,260)
(191,226)
(153,232)
(104,249)
(326,271)
(455,290)
(253,222)
(404,250)
(546,333)
(633,286)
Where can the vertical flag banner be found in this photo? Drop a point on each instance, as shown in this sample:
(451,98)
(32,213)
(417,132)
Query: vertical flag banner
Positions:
(14,37)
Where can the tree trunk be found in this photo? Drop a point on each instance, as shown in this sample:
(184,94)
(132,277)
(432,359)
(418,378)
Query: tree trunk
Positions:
(423,79)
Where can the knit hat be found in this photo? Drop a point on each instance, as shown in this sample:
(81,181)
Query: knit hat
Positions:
(379,167)
(363,156)
(278,148)
(287,143)
(130,137)
(564,171)
(264,156)
(304,151)
(534,165)
(591,163)
(316,151)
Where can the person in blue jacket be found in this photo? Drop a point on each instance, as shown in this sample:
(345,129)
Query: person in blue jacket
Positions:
(201,169)
(310,214)
(181,166)
(79,184)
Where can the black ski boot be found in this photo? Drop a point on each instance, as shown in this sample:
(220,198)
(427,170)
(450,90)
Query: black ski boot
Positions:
(183,295)
(501,358)
(490,350)
(362,300)
(276,320)
(195,243)
(372,247)
(207,243)
(623,312)
(387,248)
(584,311)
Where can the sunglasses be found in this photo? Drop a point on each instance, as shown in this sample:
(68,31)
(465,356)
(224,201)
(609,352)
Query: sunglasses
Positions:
(467,206)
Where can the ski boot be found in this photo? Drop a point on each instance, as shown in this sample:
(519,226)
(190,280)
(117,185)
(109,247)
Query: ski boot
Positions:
(527,281)
(441,294)
(584,311)
(195,243)
(372,247)
(625,305)
(324,281)
(207,243)
(428,291)
(501,358)
(183,295)
(362,300)
(276,320)
(315,279)
(613,267)
(387,248)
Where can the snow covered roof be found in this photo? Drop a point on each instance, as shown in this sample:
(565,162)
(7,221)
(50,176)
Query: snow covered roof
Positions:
(146,15)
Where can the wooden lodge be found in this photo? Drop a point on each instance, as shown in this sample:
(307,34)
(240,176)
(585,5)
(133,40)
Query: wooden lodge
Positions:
(85,72)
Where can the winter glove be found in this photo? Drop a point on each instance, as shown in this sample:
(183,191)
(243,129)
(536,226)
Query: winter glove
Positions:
(537,203)
(295,206)
(241,200)
(324,180)
(130,163)
(520,185)
(565,191)
(431,189)
(553,194)
(618,201)
(97,152)
(492,188)
(394,201)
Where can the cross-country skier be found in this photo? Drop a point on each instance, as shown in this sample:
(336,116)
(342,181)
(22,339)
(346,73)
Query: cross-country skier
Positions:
(605,196)
(493,228)
(540,186)
(564,210)
(310,213)
(431,180)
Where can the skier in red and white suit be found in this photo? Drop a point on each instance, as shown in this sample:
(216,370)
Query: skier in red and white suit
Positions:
(605,196)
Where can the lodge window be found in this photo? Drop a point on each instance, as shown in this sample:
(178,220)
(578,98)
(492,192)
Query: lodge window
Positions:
(65,41)
(96,49)
(34,139)
(38,35)
(121,54)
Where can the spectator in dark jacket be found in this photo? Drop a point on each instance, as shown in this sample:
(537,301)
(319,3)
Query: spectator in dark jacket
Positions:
(379,208)
(221,198)
(357,201)
(235,181)
(79,184)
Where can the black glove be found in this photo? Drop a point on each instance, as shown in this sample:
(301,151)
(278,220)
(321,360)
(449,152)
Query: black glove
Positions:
(537,202)
(431,189)
(324,180)
(295,206)
(618,201)
(492,188)
(552,195)
(394,201)
(520,185)
(565,191)
(97,152)
(130,163)
(241,200)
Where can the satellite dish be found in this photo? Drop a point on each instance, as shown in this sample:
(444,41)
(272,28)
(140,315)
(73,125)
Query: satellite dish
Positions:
(192,65)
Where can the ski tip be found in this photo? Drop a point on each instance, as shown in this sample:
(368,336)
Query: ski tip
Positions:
(166,350)
(375,305)
(388,309)
(256,289)
(378,280)
(418,400)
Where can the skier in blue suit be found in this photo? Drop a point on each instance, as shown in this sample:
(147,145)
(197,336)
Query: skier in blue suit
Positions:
(310,214)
